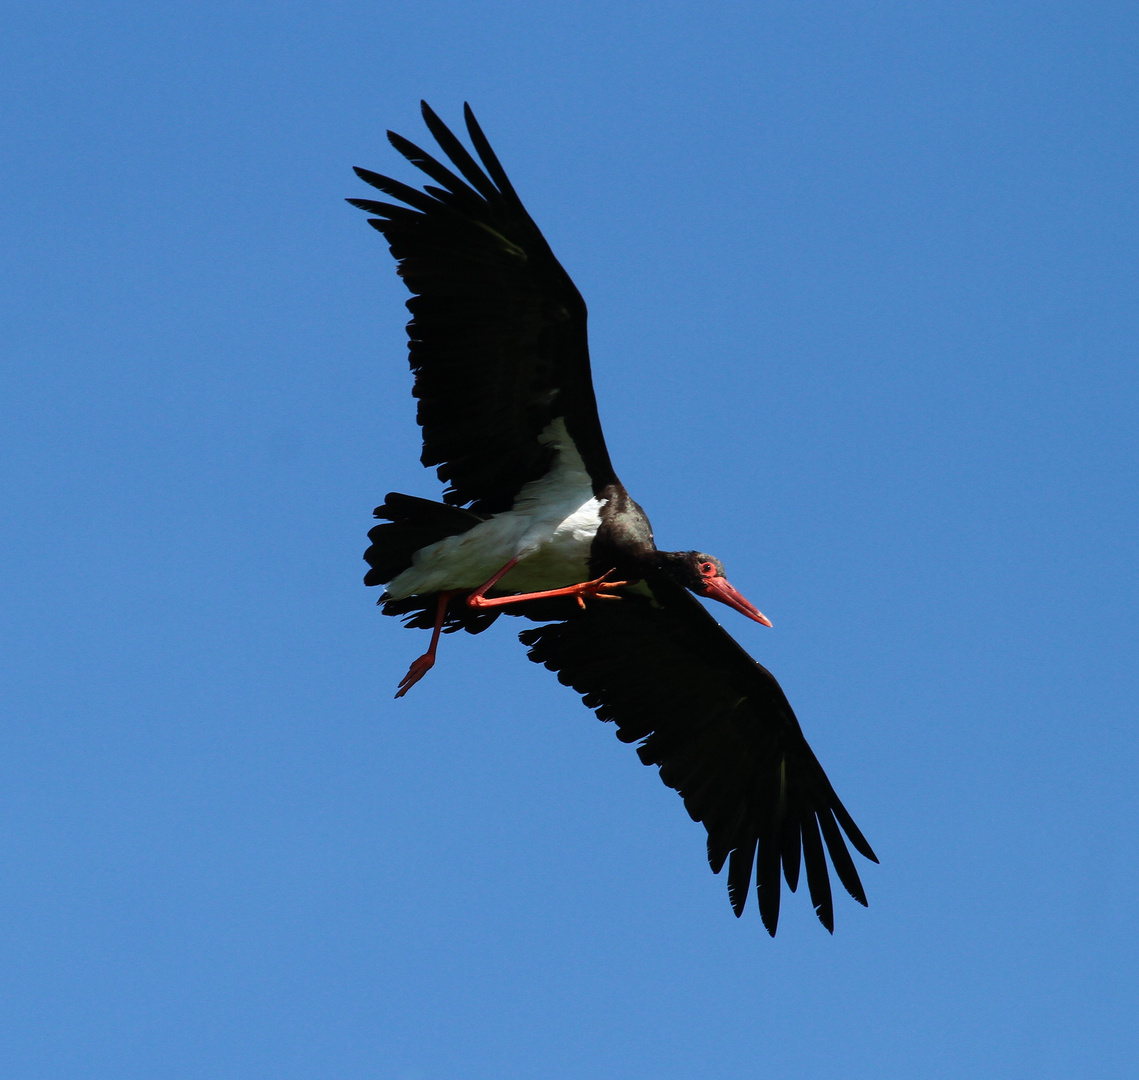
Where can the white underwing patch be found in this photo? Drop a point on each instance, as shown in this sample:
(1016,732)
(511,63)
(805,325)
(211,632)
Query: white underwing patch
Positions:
(549,529)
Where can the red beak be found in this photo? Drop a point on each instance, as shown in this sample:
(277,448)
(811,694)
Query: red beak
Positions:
(719,589)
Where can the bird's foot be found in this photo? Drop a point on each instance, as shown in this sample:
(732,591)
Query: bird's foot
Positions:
(419,667)
(592,590)
(426,662)
(580,592)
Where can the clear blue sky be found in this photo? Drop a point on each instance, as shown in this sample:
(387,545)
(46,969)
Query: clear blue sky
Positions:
(862,282)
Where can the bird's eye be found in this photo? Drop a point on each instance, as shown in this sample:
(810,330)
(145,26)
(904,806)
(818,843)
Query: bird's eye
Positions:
(707,569)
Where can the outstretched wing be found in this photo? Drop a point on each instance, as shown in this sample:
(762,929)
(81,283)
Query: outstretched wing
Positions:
(497,337)
(722,733)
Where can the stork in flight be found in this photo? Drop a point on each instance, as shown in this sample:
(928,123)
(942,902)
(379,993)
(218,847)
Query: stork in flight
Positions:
(534,522)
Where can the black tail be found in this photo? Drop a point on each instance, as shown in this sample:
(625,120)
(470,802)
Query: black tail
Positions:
(410,523)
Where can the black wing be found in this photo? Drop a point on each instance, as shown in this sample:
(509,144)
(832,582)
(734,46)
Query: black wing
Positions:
(720,729)
(497,336)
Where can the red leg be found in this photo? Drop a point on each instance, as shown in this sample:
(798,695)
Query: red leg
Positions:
(586,589)
(423,664)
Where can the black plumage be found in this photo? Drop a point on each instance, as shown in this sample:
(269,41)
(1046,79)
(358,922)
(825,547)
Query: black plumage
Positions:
(497,339)
(498,347)
(721,732)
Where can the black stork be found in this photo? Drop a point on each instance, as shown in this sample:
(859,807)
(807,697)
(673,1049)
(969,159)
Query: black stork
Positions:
(534,522)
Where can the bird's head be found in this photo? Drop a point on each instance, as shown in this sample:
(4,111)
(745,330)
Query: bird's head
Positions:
(704,575)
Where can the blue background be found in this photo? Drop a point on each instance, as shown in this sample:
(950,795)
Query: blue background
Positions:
(862,282)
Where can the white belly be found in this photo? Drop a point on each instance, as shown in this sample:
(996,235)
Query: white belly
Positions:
(549,531)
